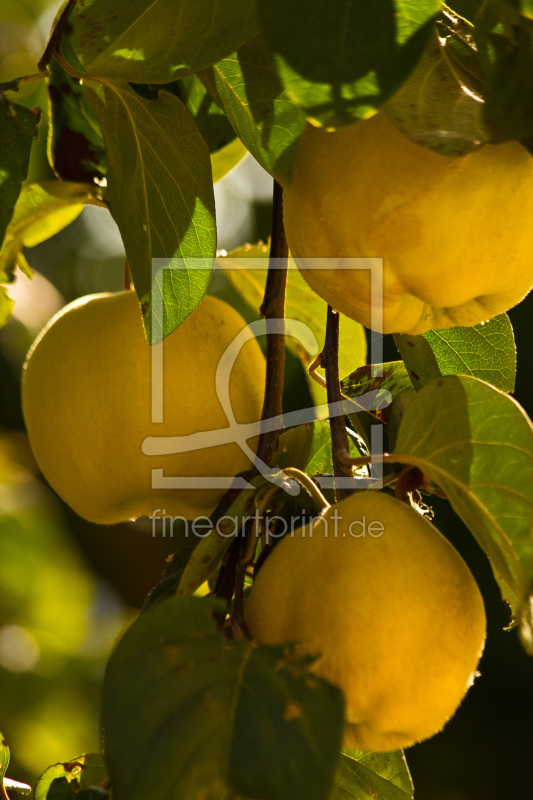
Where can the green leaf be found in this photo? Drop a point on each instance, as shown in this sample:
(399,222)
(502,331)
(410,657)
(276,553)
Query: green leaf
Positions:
(440,104)
(294,447)
(161,197)
(341,60)
(228,157)
(70,778)
(175,565)
(259,109)
(476,443)
(42,210)
(365,776)
(320,455)
(203,562)
(4,763)
(16,786)
(18,126)
(247,270)
(188,712)
(320,459)
(226,150)
(486,351)
(6,306)
(526,8)
(212,122)
(387,380)
(160,41)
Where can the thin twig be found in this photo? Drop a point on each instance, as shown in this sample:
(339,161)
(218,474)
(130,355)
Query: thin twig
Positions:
(54,42)
(339,435)
(309,485)
(273,307)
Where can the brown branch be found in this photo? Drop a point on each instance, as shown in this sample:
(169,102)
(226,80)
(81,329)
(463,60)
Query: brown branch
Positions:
(273,307)
(54,42)
(339,435)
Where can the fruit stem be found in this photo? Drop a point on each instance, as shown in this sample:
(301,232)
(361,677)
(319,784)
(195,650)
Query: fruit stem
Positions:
(309,485)
(273,307)
(339,435)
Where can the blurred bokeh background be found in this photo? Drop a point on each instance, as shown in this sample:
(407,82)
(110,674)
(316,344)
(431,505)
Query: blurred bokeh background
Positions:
(67,588)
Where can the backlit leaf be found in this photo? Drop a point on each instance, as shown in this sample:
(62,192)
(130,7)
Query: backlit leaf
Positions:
(486,351)
(18,126)
(42,210)
(366,776)
(341,60)
(259,109)
(71,777)
(160,41)
(161,196)
(476,443)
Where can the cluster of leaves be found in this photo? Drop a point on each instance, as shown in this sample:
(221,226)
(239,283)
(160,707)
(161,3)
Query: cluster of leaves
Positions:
(149,105)
(256,71)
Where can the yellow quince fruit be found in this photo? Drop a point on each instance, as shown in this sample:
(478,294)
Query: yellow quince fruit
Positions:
(93,395)
(454,233)
(388,607)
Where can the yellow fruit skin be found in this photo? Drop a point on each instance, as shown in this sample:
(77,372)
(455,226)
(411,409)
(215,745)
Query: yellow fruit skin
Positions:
(87,404)
(398,620)
(454,233)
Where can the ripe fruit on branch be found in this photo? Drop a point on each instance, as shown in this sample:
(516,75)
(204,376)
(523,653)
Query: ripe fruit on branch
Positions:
(454,233)
(394,615)
(87,402)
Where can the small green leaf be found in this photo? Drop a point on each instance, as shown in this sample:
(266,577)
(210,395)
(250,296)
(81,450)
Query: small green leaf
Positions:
(341,60)
(224,160)
(259,109)
(18,126)
(42,210)
(70,778)
(486,351)
(160,41)
(174,567)
(6,306)
(388,380)
(366,776)
(161,196)
(4,763)
(188,712)
(476,443)
(320,455)
(203,562)
(7,783)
